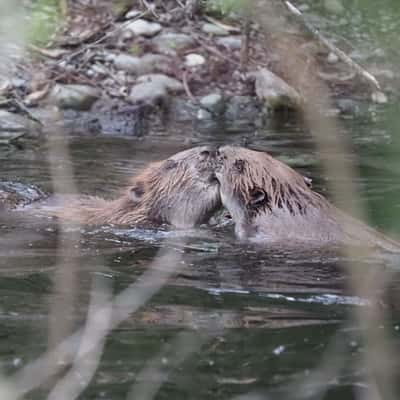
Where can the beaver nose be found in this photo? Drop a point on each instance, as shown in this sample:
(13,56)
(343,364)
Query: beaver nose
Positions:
(210,151)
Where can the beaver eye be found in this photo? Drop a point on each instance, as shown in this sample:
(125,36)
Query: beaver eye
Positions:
(239,165)
(257,197)
(308,181)
(136,192)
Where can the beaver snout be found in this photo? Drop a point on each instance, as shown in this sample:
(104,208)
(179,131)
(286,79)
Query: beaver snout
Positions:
(213,179)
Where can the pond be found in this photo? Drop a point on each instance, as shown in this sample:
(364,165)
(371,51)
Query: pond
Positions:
(231,319)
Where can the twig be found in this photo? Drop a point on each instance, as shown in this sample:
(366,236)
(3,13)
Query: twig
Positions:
(20,105)
(214,51)
(186,87)
(221,25)
(342,55)
(150,8)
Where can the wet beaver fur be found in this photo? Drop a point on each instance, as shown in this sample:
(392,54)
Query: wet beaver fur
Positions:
(181,191)
(269,202)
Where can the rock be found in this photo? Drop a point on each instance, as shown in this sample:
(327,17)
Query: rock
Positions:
(204,115)
(213,102)
(14,194)
(334,6)
(153,88)
(171,43)
(148,93)
(9,137)
(274,92)
(76,97)
(241,113)
(171,84)
(230,42)
(18,83)
(379,97)
(348,107)
(141,27)
(182,110)
(140,65)
(194,60)
(98,70)
(332,58)
(13,126)
(215,30)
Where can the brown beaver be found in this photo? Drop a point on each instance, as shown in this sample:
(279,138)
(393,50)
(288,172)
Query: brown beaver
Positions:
(181,191)
(270,202)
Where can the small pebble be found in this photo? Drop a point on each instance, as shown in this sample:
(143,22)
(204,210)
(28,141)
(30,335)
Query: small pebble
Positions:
(332,58)
(141,27)
(379,97)
(194,60)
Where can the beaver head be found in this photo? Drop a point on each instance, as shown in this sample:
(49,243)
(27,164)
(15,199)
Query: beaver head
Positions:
(263,195)
(181,191)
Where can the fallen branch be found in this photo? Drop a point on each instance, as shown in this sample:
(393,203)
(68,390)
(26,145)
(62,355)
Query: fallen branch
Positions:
(342,55)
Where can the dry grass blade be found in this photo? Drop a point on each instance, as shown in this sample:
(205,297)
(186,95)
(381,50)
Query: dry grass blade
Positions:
(88,356)
(68,249)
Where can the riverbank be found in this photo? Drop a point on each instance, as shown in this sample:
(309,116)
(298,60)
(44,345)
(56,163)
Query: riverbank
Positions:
(130,71)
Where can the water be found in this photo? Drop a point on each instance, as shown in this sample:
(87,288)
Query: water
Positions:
(257,320)
(232,319)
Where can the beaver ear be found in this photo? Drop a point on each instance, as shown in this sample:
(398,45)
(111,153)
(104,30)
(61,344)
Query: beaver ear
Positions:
(257,197)
(308,181)
(136,192)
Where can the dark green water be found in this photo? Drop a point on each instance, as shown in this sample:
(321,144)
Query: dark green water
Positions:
(257,321)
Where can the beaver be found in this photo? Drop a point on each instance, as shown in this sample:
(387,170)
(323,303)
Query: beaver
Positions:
(269,202)
(181,191)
